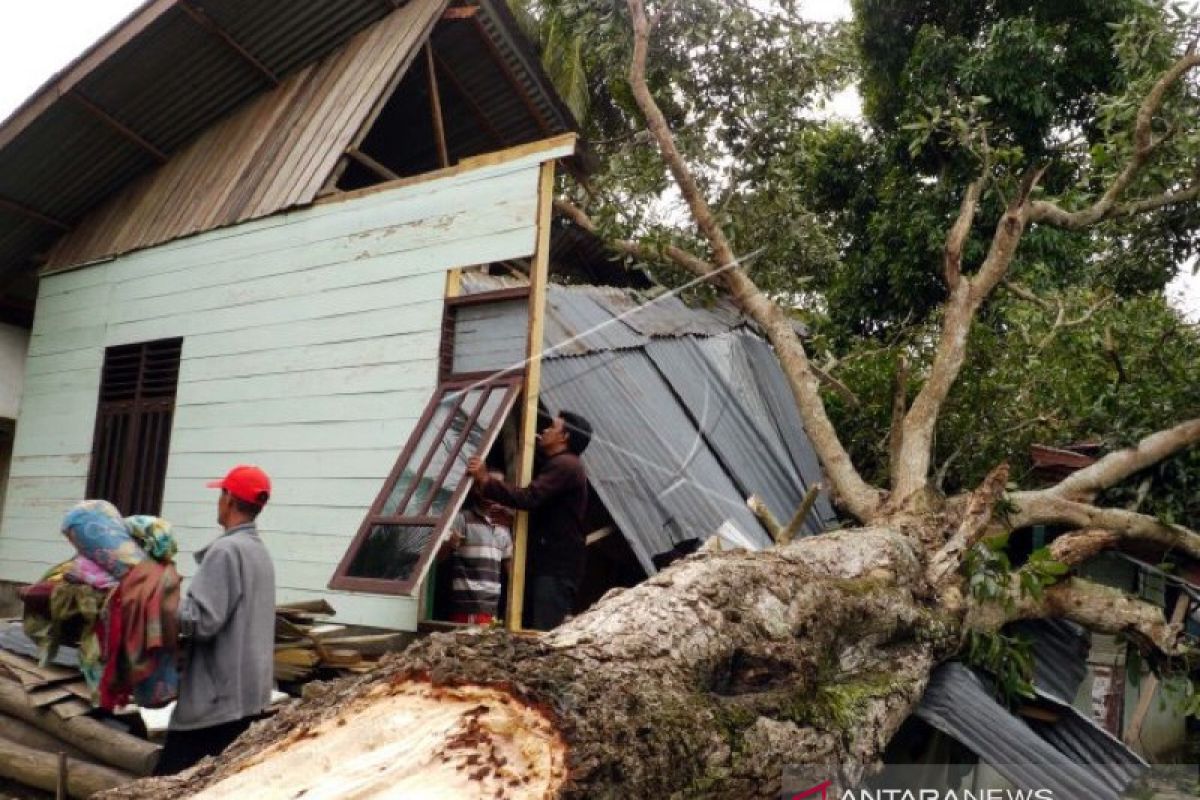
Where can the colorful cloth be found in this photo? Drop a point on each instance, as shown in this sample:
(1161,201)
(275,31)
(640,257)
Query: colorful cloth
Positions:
(140,638)
(99,533)
(82,570)
(118,600)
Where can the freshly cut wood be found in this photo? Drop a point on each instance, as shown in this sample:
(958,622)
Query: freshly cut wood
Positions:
(40,770)
(702,681)
(21,732)
(297,657)
(105,744)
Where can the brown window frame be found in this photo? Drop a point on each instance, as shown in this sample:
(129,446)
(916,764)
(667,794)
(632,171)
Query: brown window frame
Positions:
(131,440)
(512,386)
(450,320)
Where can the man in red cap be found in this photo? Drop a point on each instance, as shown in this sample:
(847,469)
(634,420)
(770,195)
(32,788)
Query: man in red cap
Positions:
(227,621)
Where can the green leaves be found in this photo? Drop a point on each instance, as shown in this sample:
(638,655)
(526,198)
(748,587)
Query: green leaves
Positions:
(1009,659)
(1040,572)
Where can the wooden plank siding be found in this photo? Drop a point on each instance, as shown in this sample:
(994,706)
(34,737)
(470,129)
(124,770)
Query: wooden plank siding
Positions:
(310,344)
(275,152)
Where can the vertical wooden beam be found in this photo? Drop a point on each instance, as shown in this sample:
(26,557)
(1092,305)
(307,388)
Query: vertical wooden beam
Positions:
(435,106)
(539,273)
(1149,686)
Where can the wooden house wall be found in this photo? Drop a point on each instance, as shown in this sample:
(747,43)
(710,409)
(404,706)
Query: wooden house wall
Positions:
(276,152)
(310,343)
(13,344)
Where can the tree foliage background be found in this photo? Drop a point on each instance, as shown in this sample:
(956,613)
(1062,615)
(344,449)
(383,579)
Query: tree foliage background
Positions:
(846,221)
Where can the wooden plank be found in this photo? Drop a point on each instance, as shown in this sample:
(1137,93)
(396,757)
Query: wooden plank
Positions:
(519,156)
(435,107)
(538,279)
(122,130)
(379,169)
(204,21)
(1149,685)
(42,675)
(40,698)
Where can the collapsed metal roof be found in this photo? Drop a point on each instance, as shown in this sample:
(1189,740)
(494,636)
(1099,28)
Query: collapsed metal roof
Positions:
(691,413)
(1074,757)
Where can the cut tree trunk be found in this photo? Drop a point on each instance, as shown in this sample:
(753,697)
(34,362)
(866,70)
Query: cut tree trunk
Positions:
(39,770)
(103,743)
(704,681)
(21,732)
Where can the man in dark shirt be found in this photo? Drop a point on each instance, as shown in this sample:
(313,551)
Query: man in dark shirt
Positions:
(557,498)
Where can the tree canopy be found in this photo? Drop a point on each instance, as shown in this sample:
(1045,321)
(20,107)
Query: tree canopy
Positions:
(846,221)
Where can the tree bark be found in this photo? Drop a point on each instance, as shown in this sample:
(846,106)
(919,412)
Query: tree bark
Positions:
(39,769)
(103,743)
(704,681)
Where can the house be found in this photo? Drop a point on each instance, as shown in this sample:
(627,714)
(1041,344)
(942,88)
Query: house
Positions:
(318,236)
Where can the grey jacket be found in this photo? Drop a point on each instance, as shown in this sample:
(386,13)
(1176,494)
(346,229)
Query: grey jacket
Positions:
(229,616)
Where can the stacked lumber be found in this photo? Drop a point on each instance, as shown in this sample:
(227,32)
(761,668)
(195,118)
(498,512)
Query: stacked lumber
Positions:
(308,647)
(47,739)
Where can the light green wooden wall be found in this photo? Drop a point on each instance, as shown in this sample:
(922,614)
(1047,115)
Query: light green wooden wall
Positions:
(310,347)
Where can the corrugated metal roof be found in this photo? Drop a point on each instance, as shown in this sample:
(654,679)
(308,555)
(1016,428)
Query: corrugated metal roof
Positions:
(14,640)
(688,414)
(753,454)
(168,74)
(1076,760)
(656,476)
(160,75)
(1060,651)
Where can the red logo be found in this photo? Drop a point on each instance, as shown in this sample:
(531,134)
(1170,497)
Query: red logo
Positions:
(819,790)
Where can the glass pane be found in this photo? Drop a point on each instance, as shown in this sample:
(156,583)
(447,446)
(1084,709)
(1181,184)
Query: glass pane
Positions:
(428,437)
(428,485)
(390,552)
(471,447)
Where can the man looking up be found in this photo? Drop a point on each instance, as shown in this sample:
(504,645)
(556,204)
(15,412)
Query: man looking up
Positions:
(557,498)
(227,620)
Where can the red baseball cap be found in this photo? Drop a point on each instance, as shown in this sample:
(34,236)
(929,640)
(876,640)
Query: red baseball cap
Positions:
(246,482)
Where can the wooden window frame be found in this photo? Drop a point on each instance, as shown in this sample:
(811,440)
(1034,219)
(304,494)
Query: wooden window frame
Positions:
(450,320)
(138,410)
(511,386)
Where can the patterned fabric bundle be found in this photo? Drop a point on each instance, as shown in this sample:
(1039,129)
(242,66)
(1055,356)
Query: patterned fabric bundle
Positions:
(99,533)
(118,599)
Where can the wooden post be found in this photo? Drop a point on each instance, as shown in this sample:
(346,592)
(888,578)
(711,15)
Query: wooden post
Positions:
(539,271)
(1149,687)
(435,105)
(61,790)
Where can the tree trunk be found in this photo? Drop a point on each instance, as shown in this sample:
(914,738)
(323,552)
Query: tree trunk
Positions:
(704,681)
(103,743)
(39,770)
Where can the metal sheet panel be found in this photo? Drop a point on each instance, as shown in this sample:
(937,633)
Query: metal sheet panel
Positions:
(755,365)
(652,470)
(755,458)
(958,703)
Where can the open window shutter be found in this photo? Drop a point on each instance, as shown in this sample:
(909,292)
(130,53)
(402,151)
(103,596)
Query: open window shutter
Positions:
(397,541)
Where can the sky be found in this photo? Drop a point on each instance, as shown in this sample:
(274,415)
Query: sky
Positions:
(39,39)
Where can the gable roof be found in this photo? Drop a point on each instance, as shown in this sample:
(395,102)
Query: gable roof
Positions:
(225,110)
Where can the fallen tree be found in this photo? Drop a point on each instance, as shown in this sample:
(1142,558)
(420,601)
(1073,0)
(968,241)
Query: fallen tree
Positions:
(710,677)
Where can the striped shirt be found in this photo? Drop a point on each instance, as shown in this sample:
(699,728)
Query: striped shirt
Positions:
(475,565)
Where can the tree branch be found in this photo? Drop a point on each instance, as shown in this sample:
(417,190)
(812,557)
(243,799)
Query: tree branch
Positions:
(899,407)
(1102,609)
(1144,147)
(960,309)
(1047,508)
(849,489)
(1081,547)
(960,230)
(975,521)
(1115,467)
